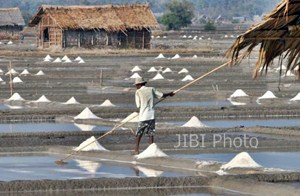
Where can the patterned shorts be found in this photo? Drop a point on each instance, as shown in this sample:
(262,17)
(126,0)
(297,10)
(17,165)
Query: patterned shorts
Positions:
(146,127)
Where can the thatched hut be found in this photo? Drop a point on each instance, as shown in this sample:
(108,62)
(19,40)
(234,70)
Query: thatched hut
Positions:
(11,23)
(278,36)
(106,26)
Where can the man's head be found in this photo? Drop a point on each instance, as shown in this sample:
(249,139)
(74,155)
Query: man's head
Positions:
(139,82)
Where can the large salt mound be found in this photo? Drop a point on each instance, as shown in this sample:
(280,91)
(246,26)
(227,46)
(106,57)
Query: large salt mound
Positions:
(40,73)
(57,60)
(17,80)
(158,77)
(195,56)
(167,70)
(72,100)
(65,58)
(152,69)
(133,117)
(187,78)
(296,98)
(107,103)
(149,172)
(239,93)
(81,61)
(15,97)
(135,75)
(25,72)
(84,127)
(78,59)
(48,57)
(241,160)
(86,114)
(152,151)
(268,95)
(90,166)
(136,68)
(160,56)
(12,72)
(43,99)
(194,122)
(184,70)
(176,56)
(90,144)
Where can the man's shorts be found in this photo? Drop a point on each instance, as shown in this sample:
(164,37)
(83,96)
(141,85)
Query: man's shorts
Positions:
(146,127)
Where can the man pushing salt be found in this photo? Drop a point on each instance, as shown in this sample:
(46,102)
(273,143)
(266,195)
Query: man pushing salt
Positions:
(144,99)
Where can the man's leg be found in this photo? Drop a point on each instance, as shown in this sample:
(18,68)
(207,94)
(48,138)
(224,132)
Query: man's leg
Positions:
(151,139)
(137,144)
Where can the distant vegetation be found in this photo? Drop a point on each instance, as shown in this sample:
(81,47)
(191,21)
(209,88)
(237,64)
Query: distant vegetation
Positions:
(225,9)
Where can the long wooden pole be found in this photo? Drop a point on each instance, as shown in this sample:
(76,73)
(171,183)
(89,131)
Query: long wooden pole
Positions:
(10,79)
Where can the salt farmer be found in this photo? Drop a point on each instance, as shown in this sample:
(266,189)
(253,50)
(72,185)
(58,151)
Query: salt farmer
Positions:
(144,99)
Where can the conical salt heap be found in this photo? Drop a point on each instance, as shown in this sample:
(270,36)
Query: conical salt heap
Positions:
(43,99)
(194,122)
(167,70)
(17,80)
(57,60)
(25,72)
(1,80)
(40,73)
(176,56)
(136,69)
(158,76)
(15,97)
(91,144)
(152,69)
(78,59)
(10,43)
(268,95)
(241,160)
(84,127)
(12,72)
(187,78)
(195,56)
(65,58)
(72,100)
(90,166)
(81,61)
(107,103)
(239,93)
(160,56)
(86,114)
(133,116)
(48,57)
(152,151)
(1,71)
(135,75)
(296,98)
(184,70)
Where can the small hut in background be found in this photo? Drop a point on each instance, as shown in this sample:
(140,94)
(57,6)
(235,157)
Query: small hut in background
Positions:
(106,26)
(278,36)
(11,23)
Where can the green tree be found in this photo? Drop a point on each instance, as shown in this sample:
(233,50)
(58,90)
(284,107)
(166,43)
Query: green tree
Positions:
(180,14)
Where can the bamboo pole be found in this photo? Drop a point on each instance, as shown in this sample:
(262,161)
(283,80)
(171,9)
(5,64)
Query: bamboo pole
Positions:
(10,80)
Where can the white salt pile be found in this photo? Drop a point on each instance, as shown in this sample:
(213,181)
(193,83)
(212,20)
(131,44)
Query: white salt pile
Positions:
(9,43)
(65,58)
(133,117)
(176,56)
(167,70)
(48,57)
(40,73)
(160,56)
(184,70)
(187,78)
(184,36)
(25,72)
(158,76)
(90,166)
(135,75)
(152,151)
(296,98)
(107,103)
(43,99)
(12,72)
(78,59)
(194,122)
(195,37)
(190,36)
(81,61)
(283,67)
(84,127)
(238,93)
(86,114)
(1,80)
(149,172)
(72,100)
(195,56)
(47,60)
(136,69)
(158,36)
(241,160)
(288,74)
(152,69)
(17,80)
(1,71)
(164,37)
(268,95)
(57,60)
(90,144)
(15,97)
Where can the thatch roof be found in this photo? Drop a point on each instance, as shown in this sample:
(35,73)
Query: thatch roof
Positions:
(278,36)
(11,17)
(111,18)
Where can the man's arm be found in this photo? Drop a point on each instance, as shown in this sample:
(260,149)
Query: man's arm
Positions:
(171,94)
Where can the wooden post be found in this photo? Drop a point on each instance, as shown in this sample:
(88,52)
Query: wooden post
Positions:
(143,41)
(10,79)
(101,78)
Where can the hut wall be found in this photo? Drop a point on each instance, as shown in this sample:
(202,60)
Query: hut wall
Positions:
(135,39)
(49,33)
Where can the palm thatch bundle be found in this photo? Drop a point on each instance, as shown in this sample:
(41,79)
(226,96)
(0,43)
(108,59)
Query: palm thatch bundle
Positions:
(278,36)
(111,18)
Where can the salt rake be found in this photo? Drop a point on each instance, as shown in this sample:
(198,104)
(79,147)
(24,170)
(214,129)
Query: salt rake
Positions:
(63,162)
